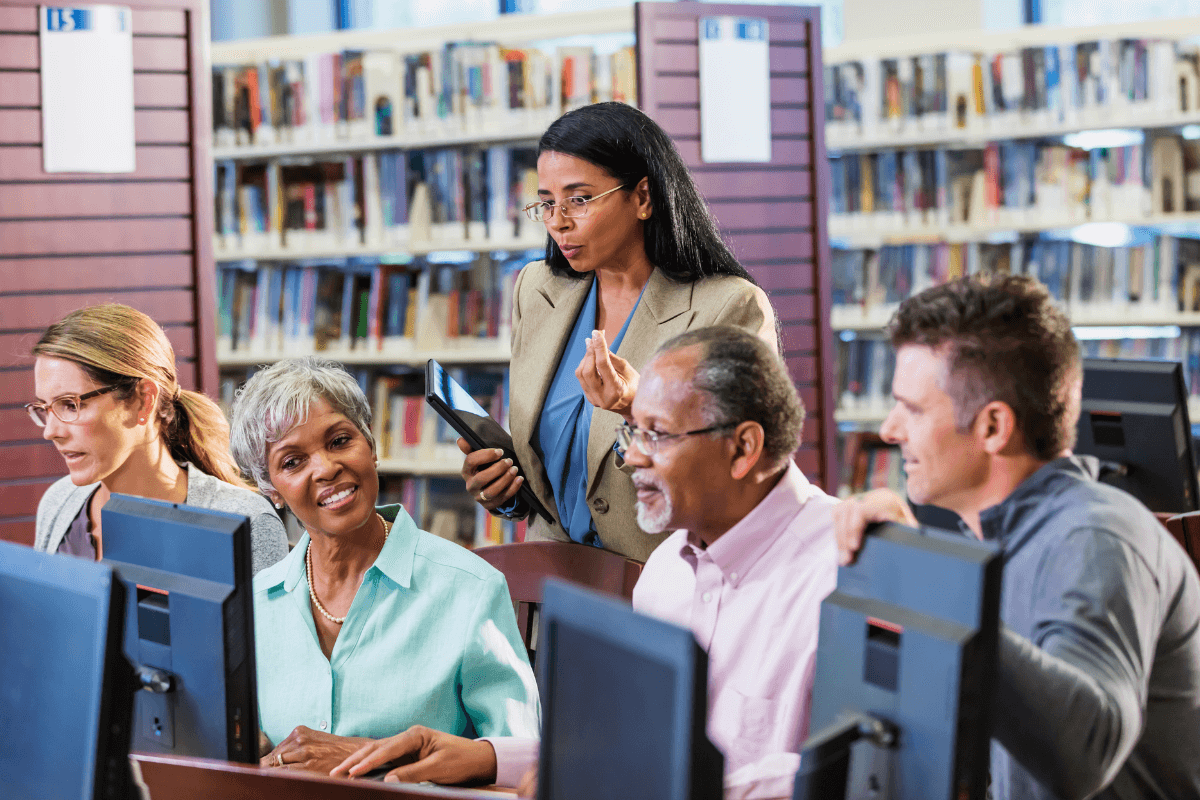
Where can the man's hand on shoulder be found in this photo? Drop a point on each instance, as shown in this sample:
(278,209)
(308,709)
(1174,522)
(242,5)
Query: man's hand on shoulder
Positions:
(852,516)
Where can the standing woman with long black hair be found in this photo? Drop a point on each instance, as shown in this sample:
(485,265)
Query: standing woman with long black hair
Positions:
(633,258)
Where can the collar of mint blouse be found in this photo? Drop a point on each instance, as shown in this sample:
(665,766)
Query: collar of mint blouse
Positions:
(564,426)
(429,639)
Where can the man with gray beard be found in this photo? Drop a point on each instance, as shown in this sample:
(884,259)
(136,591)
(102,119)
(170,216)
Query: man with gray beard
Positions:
(753,553)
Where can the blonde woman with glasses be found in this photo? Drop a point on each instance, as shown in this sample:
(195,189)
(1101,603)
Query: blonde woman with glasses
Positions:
(633,258)
(109,400)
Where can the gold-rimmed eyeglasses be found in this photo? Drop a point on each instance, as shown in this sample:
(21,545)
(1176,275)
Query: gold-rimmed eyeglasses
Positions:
(647,441)
(66,408)
(569,207)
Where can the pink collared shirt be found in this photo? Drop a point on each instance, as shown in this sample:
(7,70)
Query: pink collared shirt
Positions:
(753,601)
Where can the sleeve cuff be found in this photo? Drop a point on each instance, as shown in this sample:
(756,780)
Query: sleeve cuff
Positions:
(773,776)
(514,757)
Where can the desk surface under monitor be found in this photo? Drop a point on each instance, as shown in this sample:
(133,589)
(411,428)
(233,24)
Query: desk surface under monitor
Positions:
(183,778)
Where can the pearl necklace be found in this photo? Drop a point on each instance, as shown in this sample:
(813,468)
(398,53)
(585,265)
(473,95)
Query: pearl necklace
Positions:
(308,572)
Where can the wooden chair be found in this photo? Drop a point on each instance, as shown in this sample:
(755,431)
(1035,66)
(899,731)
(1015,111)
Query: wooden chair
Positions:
(526,566)
(1186,530)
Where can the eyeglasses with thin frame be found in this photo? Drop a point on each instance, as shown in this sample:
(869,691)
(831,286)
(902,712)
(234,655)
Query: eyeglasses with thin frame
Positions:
(570,206)
(647,440)
(66,408)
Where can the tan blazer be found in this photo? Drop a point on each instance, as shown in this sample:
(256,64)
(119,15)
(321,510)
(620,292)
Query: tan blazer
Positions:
(545,308)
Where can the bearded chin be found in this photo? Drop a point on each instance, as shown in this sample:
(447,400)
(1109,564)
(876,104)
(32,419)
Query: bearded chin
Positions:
(652,521)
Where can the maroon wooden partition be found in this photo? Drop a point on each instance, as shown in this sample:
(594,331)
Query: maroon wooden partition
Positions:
(773,215)
(70,240)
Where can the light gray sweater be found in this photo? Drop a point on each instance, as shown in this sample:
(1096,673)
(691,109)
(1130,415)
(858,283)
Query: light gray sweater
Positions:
(268,542)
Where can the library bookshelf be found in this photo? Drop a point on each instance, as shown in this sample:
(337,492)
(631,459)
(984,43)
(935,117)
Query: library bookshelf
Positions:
(1071,154)
(417,205)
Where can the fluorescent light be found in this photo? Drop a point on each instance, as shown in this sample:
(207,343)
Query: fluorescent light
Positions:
(1105,332)
(451,257)
(1102,234)
(847,336)
(1190,132)
(1111,137)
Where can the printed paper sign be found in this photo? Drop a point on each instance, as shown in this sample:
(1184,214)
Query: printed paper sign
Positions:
(87,88)
(735,90)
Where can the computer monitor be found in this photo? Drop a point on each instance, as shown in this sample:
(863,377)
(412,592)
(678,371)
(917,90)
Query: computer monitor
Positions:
(189,626)
(906,661)
(65,688)
(1134,418)
(624,704)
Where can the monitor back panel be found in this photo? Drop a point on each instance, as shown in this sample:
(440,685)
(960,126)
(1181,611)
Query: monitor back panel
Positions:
(188,614)
(64,689)
(910,636)
(625,699)
(1134,413)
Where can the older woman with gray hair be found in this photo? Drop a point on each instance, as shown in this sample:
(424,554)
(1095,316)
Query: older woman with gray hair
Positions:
(370,627)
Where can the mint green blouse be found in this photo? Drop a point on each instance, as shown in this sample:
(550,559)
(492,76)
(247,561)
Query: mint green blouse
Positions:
(430,639)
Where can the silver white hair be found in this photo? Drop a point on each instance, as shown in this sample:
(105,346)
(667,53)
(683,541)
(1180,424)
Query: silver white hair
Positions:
(278,398)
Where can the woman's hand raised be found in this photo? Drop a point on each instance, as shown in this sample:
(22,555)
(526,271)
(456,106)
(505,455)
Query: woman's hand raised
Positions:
(491,478)
(608,381)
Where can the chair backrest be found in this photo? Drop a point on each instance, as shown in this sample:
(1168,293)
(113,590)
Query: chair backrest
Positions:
(526,565)
(1186,530)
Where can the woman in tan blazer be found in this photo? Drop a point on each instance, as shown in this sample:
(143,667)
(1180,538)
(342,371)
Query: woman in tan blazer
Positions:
(633,258)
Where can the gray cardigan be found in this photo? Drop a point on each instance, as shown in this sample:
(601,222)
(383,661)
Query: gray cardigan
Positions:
(268,542)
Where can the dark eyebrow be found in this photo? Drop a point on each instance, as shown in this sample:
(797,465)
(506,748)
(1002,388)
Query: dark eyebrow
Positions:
(570,187)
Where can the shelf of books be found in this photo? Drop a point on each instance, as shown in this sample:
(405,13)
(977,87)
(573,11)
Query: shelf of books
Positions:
(367,192)
(1072,154)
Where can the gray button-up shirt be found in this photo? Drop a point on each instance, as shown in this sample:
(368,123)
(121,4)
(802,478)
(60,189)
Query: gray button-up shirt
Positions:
(1098,685)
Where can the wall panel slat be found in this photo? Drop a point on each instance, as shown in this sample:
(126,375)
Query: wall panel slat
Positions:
(47,237)
(773,215)
(111,199)
(151,161)
(35,312)
(18,19)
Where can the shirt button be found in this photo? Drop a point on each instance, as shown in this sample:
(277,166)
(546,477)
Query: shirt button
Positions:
(733,576)
(706,597)
(324,724)
(600,505)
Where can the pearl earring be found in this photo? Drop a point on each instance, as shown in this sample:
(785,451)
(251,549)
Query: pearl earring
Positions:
(142,421)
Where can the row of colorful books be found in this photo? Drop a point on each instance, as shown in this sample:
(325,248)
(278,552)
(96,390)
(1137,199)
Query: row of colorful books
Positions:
(1012,183)
(1079,83)
(1154,278)
(446,196)
(359,305)
(866,365)
(443,507)
(464,87)
(406,429)
(867,462)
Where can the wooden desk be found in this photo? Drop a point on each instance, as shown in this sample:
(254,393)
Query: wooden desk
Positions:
(183,778)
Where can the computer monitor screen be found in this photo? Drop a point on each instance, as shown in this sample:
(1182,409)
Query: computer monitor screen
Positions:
(1134,418)
(189,625)
(624,697)
(65,688)
(907,639)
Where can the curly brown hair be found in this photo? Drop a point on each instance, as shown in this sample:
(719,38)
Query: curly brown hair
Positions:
(1005,339)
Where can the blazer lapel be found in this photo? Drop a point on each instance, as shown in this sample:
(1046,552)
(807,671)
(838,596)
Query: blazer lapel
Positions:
(547,325)
(664,311)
